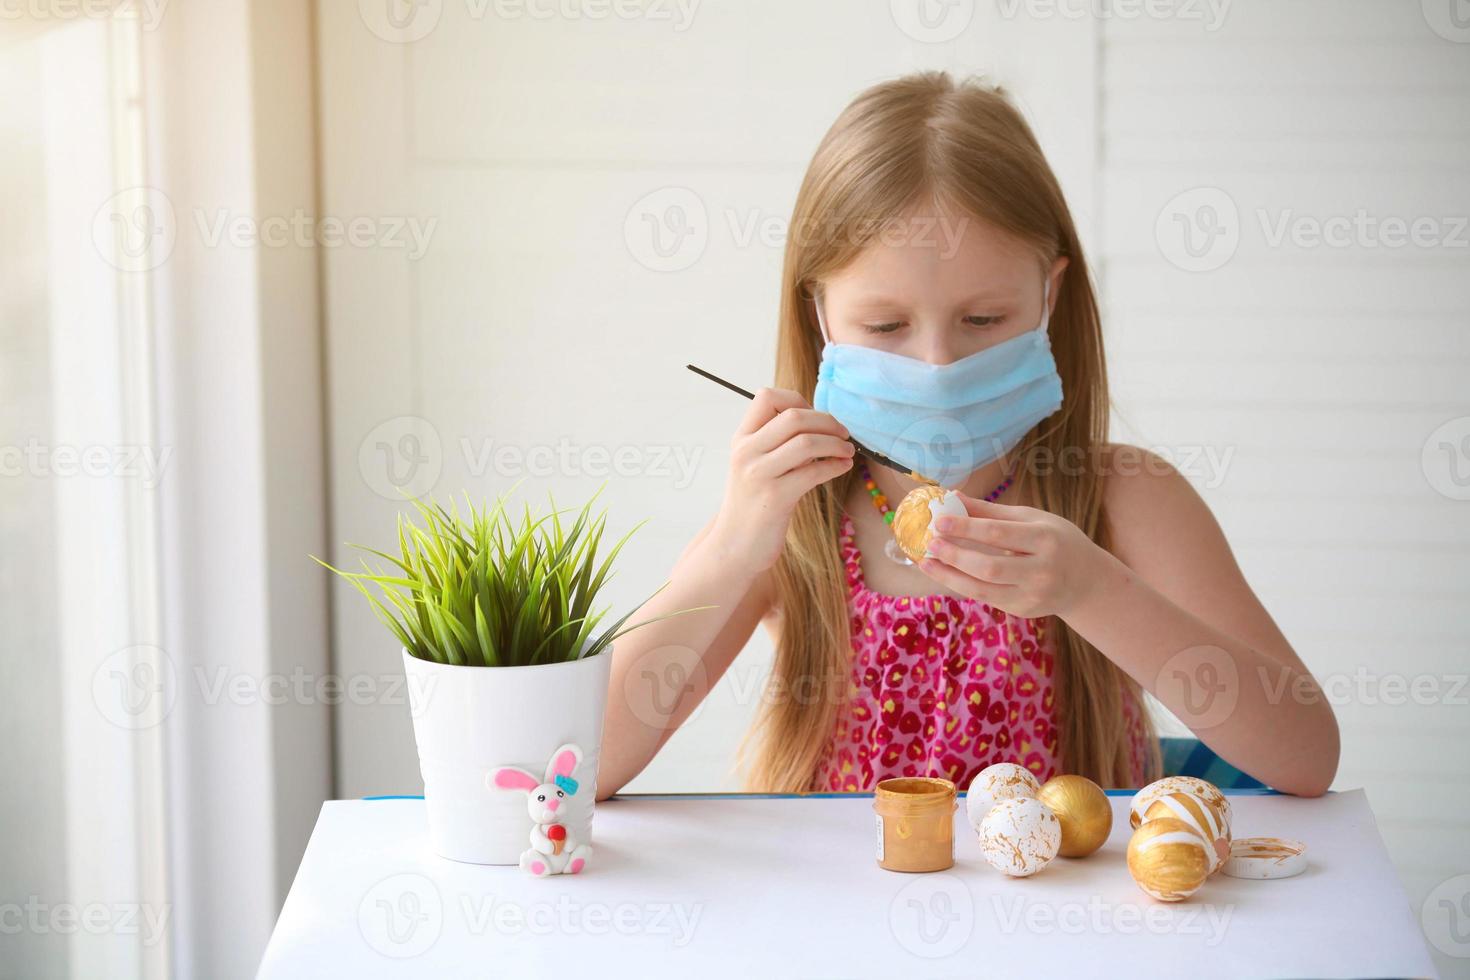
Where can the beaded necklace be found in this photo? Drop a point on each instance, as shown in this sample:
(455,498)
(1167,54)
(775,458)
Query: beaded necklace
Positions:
(881,501)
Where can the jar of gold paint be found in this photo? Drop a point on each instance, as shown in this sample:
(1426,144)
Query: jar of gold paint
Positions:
(915,823)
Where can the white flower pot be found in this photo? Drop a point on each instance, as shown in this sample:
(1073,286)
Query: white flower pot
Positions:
(468,721)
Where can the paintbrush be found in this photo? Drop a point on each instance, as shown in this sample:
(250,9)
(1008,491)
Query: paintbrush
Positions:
(874,456)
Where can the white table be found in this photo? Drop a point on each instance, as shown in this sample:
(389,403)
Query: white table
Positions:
(773,887)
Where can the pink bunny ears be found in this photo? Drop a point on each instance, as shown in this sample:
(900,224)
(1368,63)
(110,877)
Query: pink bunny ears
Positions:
(509,777)
(564,762)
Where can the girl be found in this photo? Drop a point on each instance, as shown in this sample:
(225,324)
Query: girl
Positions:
(936,305)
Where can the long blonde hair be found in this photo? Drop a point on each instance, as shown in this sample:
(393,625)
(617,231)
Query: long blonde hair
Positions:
(965,146)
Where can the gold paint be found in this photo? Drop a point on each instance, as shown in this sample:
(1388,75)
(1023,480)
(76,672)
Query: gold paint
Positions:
(918,823)
(911,520)
(1167,859)
(1202,788)
(1084,811)
(1262,858)
(1203,818)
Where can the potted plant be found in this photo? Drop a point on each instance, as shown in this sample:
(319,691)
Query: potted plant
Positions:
(507,670)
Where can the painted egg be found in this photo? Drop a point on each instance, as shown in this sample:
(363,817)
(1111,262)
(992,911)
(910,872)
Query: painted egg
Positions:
(1266,857)
(1020,836)
(1002,781)
(1204,789)
(1202,818)
(913,519)
(1168,860)
(1083,810)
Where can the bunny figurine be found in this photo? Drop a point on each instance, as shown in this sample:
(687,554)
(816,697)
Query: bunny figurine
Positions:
(552,850)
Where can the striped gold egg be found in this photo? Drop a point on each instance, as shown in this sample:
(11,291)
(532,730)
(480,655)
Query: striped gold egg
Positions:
(1167,859)
(1202,788)
(1202,818)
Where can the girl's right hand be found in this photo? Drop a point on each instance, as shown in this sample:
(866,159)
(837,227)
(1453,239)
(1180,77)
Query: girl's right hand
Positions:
(782,448)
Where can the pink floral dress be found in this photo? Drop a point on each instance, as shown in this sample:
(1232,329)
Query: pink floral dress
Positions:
(944,686)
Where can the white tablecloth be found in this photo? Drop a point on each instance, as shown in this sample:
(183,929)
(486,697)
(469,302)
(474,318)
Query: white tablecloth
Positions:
(772,887)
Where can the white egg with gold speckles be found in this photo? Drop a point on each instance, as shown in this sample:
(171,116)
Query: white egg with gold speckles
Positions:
(1020,836)
(1002,781)
(1193,785)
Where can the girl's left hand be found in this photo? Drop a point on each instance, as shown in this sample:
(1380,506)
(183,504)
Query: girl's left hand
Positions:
(1025,561)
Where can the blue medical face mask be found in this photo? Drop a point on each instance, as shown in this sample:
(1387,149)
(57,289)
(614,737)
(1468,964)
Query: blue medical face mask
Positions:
(944,421)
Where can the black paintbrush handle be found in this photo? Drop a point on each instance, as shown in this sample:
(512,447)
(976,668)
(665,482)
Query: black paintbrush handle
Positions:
(875,457)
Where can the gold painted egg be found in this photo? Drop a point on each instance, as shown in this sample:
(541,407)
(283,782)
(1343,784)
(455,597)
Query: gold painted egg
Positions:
(1168,860)
(1020,836)
(913,519)
(1083,810)
(1204,789)
(1002,781)
(1202,818)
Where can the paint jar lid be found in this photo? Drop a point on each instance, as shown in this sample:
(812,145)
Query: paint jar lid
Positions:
(913,794)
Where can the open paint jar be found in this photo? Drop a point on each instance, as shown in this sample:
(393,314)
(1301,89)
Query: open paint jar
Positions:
(915,823)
